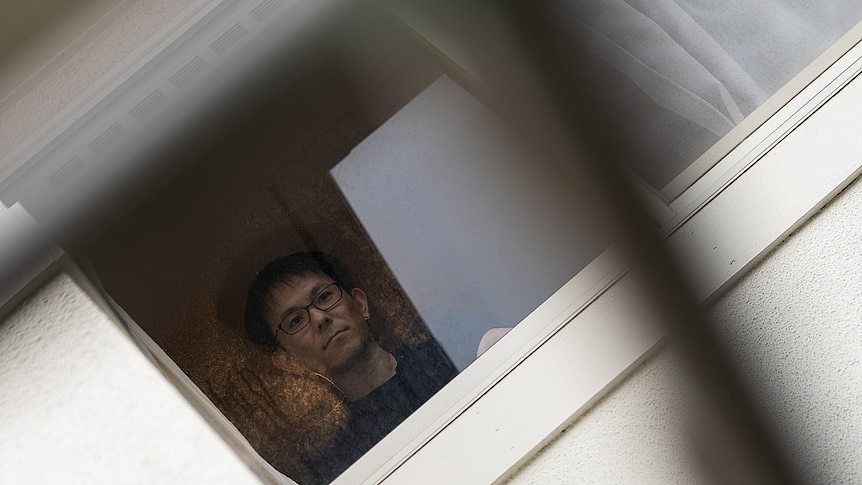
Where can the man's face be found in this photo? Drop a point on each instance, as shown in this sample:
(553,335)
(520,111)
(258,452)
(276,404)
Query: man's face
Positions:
(334,339)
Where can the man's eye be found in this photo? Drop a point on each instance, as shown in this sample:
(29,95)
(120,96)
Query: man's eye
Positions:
(294,321)
(324,296)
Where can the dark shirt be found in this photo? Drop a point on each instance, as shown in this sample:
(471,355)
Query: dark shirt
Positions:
(422,370)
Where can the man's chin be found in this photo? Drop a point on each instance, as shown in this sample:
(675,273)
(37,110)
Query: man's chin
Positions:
(352,353)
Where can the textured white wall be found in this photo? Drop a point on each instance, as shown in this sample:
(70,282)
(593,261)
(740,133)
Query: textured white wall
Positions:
(794,327)
(81,404)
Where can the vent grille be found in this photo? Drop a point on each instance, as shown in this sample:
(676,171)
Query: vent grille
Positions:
(188,72)
(264,8)
(228,39)
(148,105)
(66,172)
(107,138)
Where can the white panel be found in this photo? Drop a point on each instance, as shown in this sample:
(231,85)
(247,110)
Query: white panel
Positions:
(473,233)
(80,403)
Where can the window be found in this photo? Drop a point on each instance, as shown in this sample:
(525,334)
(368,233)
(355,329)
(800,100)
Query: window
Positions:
(449,233)
(345,106)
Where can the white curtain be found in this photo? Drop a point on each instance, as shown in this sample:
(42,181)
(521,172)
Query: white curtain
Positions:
(708,62)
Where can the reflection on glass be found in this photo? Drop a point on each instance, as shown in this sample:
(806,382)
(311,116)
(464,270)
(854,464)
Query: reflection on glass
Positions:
(474,237)
(306,310)
(319,299)
(474,240)
(674,76)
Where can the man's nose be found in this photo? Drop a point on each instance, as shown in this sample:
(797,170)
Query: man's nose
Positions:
(318,317)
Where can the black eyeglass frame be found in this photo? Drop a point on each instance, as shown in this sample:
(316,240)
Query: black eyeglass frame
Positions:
(308,307)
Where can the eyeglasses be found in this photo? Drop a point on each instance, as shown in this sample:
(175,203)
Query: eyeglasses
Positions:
(326,298)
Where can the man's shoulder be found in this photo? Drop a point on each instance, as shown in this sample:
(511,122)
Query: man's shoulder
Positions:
(426,362)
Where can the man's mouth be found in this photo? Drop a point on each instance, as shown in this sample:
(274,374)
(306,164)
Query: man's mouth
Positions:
(331,337)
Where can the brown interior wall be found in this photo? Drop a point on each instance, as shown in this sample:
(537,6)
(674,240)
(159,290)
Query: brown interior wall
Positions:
(180,263)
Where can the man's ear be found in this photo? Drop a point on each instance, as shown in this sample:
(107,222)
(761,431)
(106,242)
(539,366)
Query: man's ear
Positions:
(361,300)
(280,360)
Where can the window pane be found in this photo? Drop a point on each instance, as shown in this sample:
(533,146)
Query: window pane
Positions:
(675,76)
(372,170)
(470,232)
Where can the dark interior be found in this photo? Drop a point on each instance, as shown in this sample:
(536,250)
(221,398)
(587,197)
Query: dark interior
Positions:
(179,260)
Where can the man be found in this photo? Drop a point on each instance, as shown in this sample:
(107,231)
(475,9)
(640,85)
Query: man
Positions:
(305,307)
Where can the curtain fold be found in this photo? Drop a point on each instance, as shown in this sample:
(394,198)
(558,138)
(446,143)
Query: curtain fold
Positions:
(710,63)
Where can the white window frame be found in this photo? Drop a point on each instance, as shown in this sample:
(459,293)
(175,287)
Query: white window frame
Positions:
(513,399)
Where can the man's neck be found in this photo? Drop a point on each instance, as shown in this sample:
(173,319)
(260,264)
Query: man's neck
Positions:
(367,375)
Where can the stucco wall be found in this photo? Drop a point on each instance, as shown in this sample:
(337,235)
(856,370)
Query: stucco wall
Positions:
(80,403)
(794,327)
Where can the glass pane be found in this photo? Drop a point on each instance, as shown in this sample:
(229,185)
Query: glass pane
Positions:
(385,178)
(674,76)
(469,231)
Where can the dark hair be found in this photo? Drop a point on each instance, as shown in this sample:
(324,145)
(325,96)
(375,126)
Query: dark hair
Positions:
(258,303)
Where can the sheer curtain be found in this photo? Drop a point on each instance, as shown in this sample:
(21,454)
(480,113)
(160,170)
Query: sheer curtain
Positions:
(679,74)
